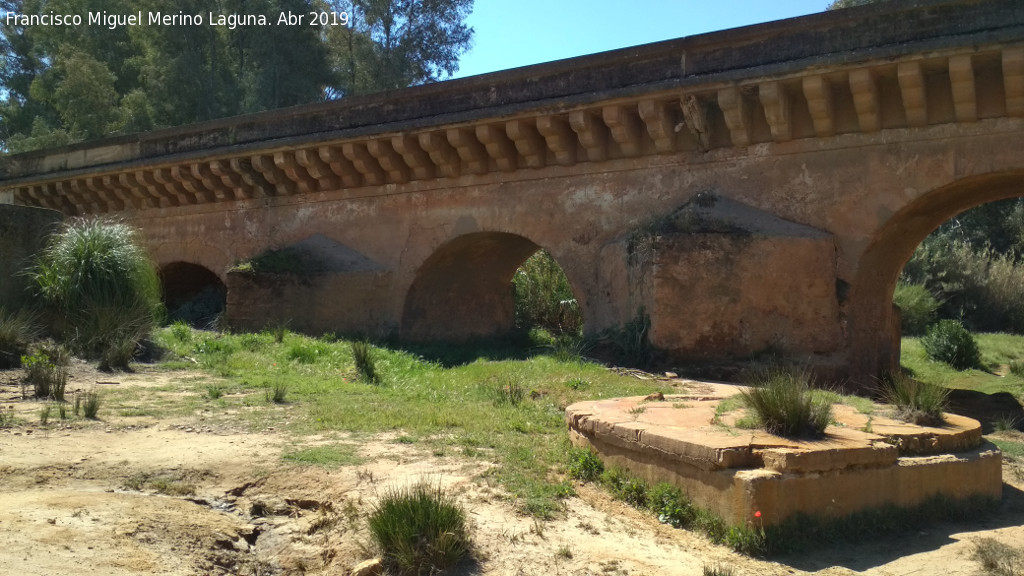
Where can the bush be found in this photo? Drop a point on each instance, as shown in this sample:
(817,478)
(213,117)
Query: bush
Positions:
(784,403)
(101,287)
(918,402)
(544,296)
(948,341)
(46,371)
(420,530)
(918,308)
(90,404)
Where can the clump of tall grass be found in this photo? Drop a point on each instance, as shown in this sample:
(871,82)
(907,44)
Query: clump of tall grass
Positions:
(46,371)
(89,403)
(17,331)
(101,287)
(544,297)
(918,402)
(419,530)
(366,366)
(784,404)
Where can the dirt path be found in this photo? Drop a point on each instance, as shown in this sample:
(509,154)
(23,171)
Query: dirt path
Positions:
(181,496)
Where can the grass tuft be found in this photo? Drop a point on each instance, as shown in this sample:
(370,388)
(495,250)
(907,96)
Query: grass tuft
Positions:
(90,403)
(362,354)
(46,371)
(17,331)
(506,391)
(999,559)
(783,403)
(276,393)
(419,530)
(918,402)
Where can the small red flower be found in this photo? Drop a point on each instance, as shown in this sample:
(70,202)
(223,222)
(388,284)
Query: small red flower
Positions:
(757,514)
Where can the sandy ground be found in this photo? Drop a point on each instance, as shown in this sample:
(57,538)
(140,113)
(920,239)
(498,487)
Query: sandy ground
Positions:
(88,499)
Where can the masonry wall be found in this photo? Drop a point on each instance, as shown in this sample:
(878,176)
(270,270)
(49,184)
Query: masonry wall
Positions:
(23,232)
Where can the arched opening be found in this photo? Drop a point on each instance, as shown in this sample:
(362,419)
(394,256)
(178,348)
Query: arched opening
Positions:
(465,289)
(874,332)
(192,293)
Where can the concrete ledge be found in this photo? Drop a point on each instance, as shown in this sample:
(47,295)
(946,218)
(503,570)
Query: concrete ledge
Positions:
(736,472)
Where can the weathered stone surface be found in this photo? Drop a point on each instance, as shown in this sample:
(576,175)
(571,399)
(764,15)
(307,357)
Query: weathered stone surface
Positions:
(736,472)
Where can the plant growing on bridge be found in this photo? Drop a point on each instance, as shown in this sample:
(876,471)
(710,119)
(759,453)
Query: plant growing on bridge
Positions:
(101,287)
(785,404)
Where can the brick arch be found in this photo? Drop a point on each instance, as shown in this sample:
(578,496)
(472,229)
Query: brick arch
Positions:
(463,290)
(872,326)
(192,292)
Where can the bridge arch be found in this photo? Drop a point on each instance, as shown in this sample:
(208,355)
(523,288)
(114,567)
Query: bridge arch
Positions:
(192,293)
(873,326)
(463,290)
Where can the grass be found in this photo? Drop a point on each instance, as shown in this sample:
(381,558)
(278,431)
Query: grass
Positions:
(17,331)
(46,371)
(331,456)
(276,392)
(170,484)
(457,403)
(419,530)
(90,403)
(998,353)
(366,366)
(784,405)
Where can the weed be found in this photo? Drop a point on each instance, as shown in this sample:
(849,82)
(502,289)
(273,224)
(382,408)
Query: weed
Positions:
(62,411)
(46,371)
(6,417)
(569,348)
(506,391)
(172,484)
(362,354)
(948,341)
(919,402)
(718,570)
(214,391)
(44,414)
(90,402)
(577,383)
(784,405)
(999,559)
(305,351)
(671,506)
(181,331)
(630,341)
(564,552)
(78,404)
(637,410)
(419,530)
(584,464)
(625,487)
(276,393)
(279,331)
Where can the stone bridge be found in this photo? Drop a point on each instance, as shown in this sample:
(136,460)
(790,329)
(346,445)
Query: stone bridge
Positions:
(750,190)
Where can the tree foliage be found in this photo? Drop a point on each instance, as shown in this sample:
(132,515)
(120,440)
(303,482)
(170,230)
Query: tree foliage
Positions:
(60,84)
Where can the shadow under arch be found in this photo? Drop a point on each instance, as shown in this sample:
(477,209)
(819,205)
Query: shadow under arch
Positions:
(872,327)
(464,289)
(192,293)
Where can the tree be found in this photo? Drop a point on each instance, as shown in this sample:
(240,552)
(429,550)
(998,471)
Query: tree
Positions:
(397,43)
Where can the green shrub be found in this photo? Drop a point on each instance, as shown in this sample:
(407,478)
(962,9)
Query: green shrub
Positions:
(948,341)
(784,404)
(544,296)
(46,371)
(306,352)
(584,464)
(626,487)
(181,331)
(17,331)
(420,530)
(101,287)
(918,308)
(671,506)
(366,366)
(917,402)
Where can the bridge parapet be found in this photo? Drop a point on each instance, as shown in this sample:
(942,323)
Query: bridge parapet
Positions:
(905,66)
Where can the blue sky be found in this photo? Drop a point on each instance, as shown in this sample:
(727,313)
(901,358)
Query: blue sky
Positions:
(512,33)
